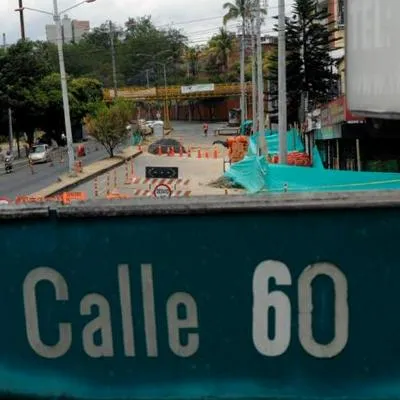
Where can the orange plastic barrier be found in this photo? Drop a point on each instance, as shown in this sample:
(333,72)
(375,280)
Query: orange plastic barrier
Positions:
(237,148)
(117,196)
(294,158)
(78,166)
(29,199)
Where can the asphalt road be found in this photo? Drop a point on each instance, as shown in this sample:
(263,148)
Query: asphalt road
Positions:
(23,182)
(198,172)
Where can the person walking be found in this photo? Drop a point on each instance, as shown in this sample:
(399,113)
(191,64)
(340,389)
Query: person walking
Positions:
(205,128)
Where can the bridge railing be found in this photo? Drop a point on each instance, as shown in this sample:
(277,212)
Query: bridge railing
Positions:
(175,92)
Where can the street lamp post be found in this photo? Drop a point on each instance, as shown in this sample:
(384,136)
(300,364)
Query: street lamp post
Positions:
(282,83)
(262,143)
(63,76)
(21,19)
(167,123)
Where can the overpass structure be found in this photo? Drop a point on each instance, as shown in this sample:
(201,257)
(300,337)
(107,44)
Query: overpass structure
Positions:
(178,92)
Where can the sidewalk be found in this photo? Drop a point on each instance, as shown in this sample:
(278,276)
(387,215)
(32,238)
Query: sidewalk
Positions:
(66,182)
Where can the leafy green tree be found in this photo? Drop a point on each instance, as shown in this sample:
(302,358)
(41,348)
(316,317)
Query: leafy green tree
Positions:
(21,67)
(309,64)
(166,45)
(107,124)
(47,96)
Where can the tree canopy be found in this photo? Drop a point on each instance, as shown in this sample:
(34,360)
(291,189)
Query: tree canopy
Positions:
(309,36)
(108,124)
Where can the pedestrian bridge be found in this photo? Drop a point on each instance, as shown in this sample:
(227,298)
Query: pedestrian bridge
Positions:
(178,92)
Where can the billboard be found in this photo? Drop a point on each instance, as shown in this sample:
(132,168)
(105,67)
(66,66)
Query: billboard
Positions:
(373,57)
(171,307)
(206,87)
(337,112)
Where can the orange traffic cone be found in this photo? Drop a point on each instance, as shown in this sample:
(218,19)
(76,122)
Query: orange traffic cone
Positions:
(215,153)
(159,151)
(172,151)
(206,154)
(180,151)
(199,154)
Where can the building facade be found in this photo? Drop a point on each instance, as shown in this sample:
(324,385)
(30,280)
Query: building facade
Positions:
(79,29)
(72,30)
(347,141)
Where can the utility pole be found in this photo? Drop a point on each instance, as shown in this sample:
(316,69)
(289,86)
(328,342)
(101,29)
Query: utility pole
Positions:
(10,131)
(262,143)
(4,42)
(114,65)
(21,19)
(147,78)
(282,83)
(64,90)
(242,66)
(166,117)
(254,76)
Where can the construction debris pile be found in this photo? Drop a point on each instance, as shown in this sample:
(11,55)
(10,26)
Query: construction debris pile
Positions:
(224,183)
(165,146)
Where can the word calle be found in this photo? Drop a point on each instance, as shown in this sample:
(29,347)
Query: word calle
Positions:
(271,337)
(181,342)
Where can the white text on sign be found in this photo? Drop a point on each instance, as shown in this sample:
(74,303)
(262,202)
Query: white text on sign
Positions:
(183,332)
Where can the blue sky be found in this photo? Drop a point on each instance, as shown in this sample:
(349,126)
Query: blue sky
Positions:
(199,20)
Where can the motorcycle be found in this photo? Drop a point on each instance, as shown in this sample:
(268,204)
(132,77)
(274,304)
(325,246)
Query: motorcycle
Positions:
(8,164)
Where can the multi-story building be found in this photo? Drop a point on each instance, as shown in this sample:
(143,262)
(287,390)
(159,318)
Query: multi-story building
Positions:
(347,141)
(335,9)
(72,30)
(79,29)
(66,24)
(51,33)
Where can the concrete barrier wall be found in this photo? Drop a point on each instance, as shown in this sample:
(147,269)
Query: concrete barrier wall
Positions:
(292,296)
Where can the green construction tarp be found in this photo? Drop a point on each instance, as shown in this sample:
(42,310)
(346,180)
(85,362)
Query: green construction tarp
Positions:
(255,174)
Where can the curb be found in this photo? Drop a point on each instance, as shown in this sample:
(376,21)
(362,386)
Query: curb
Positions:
(69,186)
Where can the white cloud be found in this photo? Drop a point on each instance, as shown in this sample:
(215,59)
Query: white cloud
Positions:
(207,13)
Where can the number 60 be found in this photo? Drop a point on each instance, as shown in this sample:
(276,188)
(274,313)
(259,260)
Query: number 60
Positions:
(263,300)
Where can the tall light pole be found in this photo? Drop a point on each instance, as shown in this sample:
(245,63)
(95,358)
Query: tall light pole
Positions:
(21,19)
(262,143)
(63,76)
(254,75)
(282,83)
(167,123)
(242,67)
(114,64)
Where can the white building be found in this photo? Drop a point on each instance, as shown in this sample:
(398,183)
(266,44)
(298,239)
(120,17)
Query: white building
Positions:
(79,28)
(72,30)
(66,24)
(51,33)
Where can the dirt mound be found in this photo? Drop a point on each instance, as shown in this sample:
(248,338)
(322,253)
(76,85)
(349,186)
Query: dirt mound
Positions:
(165,145)
(224,183)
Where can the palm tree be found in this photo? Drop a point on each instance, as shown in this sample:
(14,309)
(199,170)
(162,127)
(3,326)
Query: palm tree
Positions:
(245,10)
(192,56)
(239,9)
(221,46)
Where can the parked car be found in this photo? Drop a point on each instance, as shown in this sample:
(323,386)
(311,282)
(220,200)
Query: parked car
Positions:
(40,154)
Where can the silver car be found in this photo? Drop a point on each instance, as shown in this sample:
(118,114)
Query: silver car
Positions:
(40,154)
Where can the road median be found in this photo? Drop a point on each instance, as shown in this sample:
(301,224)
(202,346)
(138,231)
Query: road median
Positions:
(89,172)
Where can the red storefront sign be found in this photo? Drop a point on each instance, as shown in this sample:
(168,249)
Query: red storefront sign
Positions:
(337,112)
